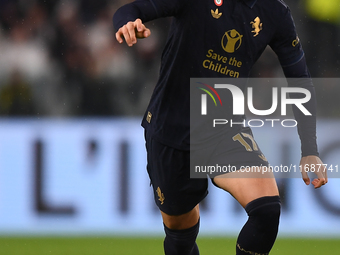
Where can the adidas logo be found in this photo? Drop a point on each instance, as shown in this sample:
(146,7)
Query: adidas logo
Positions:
(215,14)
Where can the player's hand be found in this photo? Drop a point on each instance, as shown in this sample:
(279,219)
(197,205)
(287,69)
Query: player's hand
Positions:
(315,165)
(131,31)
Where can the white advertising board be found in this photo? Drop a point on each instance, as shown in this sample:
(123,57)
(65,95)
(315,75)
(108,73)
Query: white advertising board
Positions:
(72,176)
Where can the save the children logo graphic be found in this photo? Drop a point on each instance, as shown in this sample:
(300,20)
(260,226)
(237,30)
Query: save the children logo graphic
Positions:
(231,41)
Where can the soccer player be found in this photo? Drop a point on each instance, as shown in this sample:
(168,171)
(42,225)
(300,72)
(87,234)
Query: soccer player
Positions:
(237,32)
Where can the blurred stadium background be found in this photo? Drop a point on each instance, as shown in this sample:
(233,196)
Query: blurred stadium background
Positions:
(72,158)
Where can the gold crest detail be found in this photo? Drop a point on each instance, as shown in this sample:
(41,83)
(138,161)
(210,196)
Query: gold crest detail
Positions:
(216,14)
(148,117)
(160,195)
(256,25)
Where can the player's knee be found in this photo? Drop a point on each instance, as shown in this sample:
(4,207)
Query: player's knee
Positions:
(175,224)
(183,221)
(264,214)
(259,233)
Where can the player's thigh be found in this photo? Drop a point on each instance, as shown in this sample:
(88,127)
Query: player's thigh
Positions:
(246,189)
(175,193)
(183,221)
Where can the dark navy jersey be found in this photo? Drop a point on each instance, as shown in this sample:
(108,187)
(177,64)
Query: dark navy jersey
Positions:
(211,38)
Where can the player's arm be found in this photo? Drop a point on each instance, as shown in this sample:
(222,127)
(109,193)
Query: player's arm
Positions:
(129,19)
(310,160)
(288,48)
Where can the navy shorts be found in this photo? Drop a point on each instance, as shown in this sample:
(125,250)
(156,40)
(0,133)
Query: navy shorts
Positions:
(231,151)
(175,192)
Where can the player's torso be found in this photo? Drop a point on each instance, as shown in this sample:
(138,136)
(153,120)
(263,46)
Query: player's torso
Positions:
(223,38)
(208,38)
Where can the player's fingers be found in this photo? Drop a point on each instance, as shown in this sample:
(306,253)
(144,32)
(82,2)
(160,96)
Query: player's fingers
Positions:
(123,32)
(131,29)
(322,177)
(317,183)
(321,173)
(305,176)
(325,173)
(147,33)
(119,36)
(139,25)
(322,168)
(144,33)
(126,35)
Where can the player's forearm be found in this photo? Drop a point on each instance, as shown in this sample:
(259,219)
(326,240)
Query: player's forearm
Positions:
(306,123)
(143,10)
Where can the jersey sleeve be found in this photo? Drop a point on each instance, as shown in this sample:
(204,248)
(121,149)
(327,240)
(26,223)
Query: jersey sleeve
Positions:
(287,47)
(285,42)
(298,76)
(147,10)
(306,124)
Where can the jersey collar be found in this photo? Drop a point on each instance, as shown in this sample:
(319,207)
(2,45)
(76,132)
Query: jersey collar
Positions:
(250,3)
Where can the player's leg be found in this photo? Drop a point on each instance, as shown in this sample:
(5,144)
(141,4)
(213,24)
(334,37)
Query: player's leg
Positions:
(176,195)
(260,198)
(181,233)
(183,221)
(244,189)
